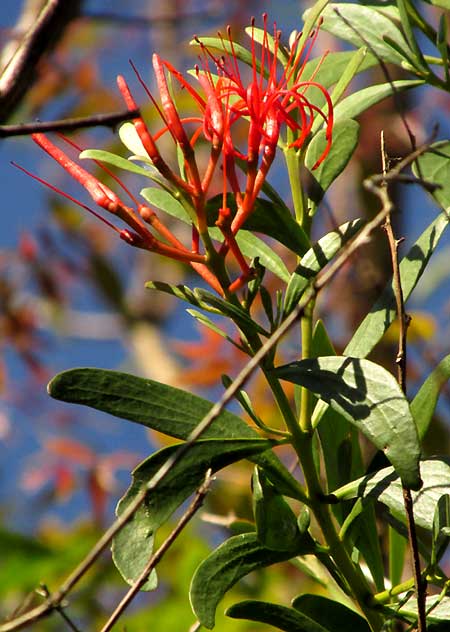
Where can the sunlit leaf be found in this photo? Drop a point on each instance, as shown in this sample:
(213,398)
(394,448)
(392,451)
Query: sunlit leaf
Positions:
(383,312)
(345,140)
(434,166)
(386,487)
(424,403)
(369,397)
(362,100)
(365,26)
(317,258)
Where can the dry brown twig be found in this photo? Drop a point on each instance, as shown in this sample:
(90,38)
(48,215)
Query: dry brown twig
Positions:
(47,27)
(404,320)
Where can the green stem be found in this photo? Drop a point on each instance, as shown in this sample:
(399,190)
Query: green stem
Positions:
(386,595)
(302,444)
(293,162)
(305,394)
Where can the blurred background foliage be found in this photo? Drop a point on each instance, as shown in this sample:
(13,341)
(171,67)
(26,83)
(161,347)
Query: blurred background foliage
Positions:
(71,295)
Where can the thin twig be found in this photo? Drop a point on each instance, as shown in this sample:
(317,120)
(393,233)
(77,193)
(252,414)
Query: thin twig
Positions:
(156,557)
(19,73)
(44,591)
(67,125)
(403,320)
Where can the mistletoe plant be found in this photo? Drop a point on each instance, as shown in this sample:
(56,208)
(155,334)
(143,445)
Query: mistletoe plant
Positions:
(249,105)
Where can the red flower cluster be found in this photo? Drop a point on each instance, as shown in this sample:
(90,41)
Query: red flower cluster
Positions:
(274,97)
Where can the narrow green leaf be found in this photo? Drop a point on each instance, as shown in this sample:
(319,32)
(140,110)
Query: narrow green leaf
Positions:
(222,306)
(383,312)
(207,322)
(434,166)
(369,397)
(386,487)
(424,403)
(333,66)
(132,546)
(114,160)
(232,560)
(441,523)
(332,615)
(164,408)
(345,140)
(130,138)
(280,617)
(166,202)
(276,524)
(360,101)
(264,38)
(364,26)
(317,258)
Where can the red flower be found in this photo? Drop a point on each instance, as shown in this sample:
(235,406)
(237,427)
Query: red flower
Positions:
(275,96)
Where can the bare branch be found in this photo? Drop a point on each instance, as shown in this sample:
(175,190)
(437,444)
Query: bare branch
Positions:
(67,125)
(46,29)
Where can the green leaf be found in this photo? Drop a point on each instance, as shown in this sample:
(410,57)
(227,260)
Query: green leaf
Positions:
(236,557)
(132,546)
(164,408)
(276,524)
(360,101)
(369,397)
(443,4)
(386,487)
(280,617)
(424,403)
(268,218)
(167,203)
(365,26)
(333,66)
(383,312)
(228,309)
(332,615)
(441,523)
(345,140)
(317,258)
(438,612)
(115,160)
(343,461)
(434,166)
(130,138)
